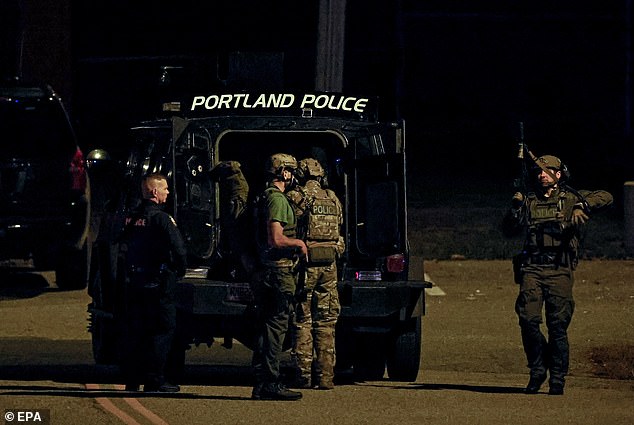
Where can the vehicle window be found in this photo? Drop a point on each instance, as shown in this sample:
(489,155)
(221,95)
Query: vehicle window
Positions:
(34,128)
(368,146)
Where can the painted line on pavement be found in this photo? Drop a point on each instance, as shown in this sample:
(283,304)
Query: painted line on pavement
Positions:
(111,408)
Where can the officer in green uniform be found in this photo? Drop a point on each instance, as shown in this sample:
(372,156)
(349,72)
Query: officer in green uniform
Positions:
(320,217)
(274,284)
(551,218)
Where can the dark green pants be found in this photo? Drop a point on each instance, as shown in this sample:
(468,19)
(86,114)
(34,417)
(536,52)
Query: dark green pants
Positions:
(549,288)
(273,292)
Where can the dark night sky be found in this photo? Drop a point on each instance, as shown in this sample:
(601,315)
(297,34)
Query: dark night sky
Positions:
(461,73)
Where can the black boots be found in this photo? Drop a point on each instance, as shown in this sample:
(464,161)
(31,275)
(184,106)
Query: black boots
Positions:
(274,391)
(534,384)
(555,387)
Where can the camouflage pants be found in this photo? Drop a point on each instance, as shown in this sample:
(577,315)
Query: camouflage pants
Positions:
(316,317)
(547,287)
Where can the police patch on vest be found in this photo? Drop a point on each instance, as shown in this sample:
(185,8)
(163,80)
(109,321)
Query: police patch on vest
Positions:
(323,220)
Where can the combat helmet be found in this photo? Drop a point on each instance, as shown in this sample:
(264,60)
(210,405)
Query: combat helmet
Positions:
(549,161)
(310,167)
(553,163)
(277,162)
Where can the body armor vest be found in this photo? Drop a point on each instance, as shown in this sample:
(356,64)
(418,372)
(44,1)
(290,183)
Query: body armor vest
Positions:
(268,255)
(320,217)
(323,214)
(549,226)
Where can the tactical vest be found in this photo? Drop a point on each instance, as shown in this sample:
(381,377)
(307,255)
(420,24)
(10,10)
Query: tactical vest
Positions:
(549,225)
(234,190)
(272,256)
(320,222)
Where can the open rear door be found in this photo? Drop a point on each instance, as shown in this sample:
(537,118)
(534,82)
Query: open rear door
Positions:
(195,191)
(379,208)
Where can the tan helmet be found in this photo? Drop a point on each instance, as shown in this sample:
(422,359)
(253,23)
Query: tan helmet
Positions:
(310,167)
(549,161)
(279,161)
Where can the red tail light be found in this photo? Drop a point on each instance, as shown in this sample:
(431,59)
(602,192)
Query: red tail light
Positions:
(395,263)
(78,171)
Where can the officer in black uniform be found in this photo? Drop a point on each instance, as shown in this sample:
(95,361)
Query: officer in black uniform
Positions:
(155,257)
(551,218)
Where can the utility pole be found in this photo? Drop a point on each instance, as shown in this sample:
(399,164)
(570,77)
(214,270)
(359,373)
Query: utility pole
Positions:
(629,75)
(330,45)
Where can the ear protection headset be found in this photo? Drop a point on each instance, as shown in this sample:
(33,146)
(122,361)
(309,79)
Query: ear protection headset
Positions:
(565,173)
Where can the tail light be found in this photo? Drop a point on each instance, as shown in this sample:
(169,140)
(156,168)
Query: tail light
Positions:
(78,171)
(395,263)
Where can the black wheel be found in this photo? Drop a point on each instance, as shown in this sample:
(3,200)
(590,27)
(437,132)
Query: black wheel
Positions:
(71,271)
(403,360)
(344,350)
(369,357)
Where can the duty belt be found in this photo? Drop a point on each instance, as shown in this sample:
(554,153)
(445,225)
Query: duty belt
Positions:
(144,278)
(547,258)
(284,262)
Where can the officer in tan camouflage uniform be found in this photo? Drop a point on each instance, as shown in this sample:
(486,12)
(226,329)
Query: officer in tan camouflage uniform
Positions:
(320,217)
(551,218)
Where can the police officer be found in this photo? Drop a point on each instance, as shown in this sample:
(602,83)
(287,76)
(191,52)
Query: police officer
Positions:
(275,282)
(154,257)
(551,218)
(320,216)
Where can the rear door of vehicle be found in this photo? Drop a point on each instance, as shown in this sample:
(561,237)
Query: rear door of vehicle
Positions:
(195,193)
(377,220)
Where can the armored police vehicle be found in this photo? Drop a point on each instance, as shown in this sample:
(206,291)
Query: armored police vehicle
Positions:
(381,288)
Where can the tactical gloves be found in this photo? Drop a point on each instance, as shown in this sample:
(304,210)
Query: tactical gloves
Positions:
(518,200)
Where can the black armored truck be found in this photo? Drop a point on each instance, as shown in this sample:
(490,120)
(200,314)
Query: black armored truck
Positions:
(381,288)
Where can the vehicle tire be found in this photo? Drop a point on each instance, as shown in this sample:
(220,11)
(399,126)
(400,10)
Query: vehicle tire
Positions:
(344,346)
(369,357)
(72,267)
(403,360)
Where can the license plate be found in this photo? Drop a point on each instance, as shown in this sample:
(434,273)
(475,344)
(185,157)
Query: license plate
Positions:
(238,292)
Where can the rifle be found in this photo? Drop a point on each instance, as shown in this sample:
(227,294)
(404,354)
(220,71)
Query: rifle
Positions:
(521,183)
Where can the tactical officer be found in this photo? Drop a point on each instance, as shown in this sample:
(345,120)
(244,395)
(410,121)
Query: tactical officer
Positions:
(320,217)
(155,256)
(551,217)
(230,260)
(275,281)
